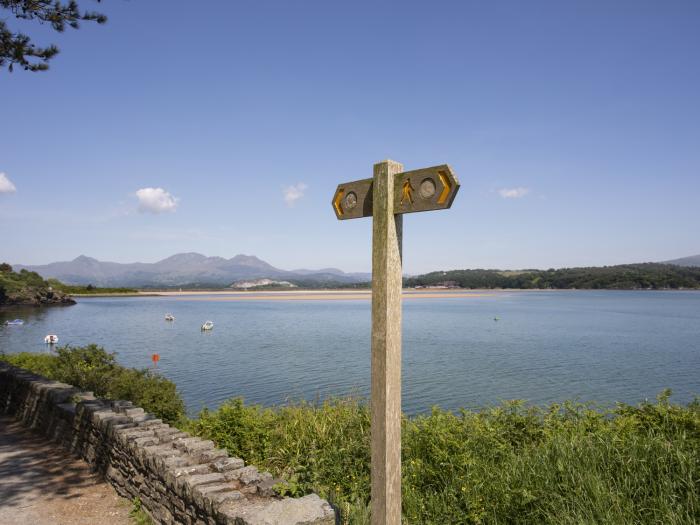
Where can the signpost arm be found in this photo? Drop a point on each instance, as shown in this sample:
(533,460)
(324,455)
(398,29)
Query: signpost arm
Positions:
(386,348)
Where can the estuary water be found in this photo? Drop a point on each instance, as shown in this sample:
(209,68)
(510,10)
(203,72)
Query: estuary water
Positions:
(470,350)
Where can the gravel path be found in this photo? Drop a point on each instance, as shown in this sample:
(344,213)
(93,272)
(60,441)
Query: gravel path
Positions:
(41,484)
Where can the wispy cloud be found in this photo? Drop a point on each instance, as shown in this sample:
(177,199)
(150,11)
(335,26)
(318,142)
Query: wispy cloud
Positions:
(6,185)
(294,193)
(513,193)
(156,200)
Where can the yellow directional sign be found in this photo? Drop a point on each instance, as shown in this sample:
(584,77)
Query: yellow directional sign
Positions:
(425,189)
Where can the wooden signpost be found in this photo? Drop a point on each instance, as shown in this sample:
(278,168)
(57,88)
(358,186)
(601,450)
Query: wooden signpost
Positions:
(386,197)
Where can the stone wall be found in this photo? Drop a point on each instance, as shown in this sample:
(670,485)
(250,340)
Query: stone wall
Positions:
(177,477)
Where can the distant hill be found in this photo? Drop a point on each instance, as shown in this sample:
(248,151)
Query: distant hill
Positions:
(648,276)
(183,269)
(360,276)
(28,288)
(693,260)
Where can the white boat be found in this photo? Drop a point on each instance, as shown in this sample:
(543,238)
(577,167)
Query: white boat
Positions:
(169,317)
(207,325)
(51,339)
(16,322)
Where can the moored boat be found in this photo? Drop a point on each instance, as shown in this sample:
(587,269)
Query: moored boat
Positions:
(208,325)
(51,339)
(16,322)
(169,317)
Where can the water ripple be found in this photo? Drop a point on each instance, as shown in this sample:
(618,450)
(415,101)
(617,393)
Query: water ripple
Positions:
(546,347)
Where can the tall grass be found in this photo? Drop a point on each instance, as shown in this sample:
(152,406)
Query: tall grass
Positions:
(569,463)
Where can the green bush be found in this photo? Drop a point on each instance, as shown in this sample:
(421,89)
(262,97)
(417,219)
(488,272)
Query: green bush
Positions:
(570,463)
(92,368)
(42,364)
(322,447)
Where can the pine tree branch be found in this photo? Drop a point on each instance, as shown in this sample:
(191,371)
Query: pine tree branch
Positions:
(17,48)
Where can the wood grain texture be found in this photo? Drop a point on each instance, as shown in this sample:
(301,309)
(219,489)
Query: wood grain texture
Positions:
(353,200)
(386,348)
(441,178)
(362,189)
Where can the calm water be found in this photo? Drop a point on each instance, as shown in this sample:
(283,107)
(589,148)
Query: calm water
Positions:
(547,346)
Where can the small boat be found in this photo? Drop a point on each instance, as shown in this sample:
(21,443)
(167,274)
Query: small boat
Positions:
(51,339)
(496,318)
(16,322)
(169,317)
(207,325)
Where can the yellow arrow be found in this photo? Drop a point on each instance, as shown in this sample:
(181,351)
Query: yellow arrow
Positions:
(336,202)
(407,192)
(446,187)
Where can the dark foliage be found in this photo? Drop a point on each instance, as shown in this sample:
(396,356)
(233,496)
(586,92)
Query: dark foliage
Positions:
(649,276)
(87,290)
(28,288)
(17,48)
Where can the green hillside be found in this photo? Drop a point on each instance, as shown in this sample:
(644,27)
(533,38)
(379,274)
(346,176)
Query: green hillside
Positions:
(648,276)
(28,288)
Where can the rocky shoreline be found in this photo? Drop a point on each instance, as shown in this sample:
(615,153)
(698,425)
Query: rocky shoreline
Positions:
(44,298)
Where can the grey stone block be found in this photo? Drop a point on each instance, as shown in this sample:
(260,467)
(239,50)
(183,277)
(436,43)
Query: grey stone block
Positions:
(226,464)
(191,470)
(147,421)
(204,479)
(67,407)
(147,440)
(266,487)
(190,444)
(247,475)
(203,495)
(131,412)
(174,462)
(120,405)
(209,456)
(172,437)
(309,510)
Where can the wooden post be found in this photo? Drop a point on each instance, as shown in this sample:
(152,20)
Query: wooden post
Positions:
(386,348)
(386,197)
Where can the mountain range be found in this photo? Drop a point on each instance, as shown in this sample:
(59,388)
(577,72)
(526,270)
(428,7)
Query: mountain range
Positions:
(187,269)
(182,269)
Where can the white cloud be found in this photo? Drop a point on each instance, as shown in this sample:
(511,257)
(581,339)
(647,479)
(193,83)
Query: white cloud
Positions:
(6,185)
(294,193)
(156,200)
(513,193)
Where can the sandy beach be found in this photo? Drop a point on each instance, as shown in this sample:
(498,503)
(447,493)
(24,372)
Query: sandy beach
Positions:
(316,295)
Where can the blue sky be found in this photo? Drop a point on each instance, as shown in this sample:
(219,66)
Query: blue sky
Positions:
(574,128)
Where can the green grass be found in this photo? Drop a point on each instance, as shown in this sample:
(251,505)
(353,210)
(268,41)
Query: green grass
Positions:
(570,463)
(137,515)
(16,286)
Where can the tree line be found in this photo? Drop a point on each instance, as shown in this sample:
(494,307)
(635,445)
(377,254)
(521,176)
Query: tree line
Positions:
(646,276)
(25,287)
